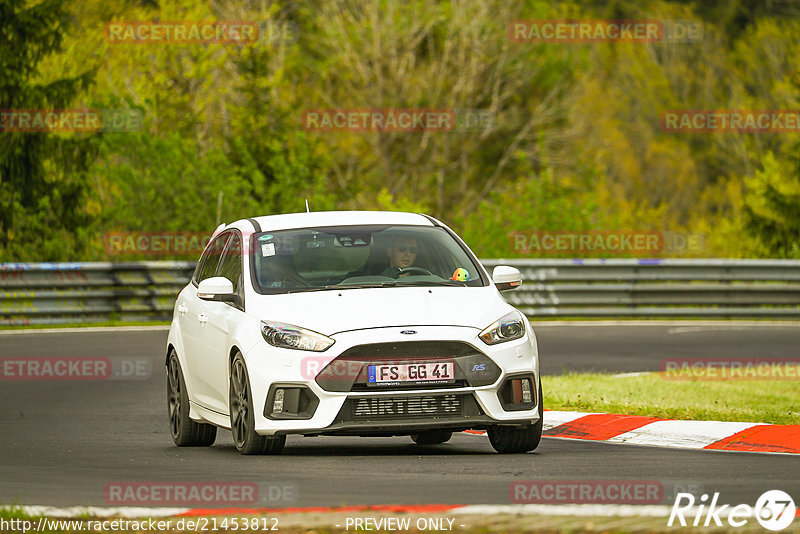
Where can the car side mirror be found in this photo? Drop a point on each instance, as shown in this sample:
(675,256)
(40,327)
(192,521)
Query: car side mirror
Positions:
(217,288)
(506,277)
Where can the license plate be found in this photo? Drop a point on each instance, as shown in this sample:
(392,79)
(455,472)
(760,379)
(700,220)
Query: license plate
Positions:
(411,373)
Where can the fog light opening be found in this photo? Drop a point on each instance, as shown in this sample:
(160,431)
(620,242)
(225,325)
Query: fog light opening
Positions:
(277,405)
(290,401)
(517,393)
(527,395)
(521,391)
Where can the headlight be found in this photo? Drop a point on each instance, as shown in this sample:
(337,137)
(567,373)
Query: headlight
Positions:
(508,327)
(288,336)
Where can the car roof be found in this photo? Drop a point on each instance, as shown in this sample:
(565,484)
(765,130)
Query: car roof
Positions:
(288,221)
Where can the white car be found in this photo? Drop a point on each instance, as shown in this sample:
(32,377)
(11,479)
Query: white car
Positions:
(350,323)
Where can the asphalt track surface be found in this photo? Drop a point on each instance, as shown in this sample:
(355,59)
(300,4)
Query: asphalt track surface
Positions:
(62,442)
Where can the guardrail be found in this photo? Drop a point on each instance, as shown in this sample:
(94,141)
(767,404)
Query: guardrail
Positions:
(662,288)
(55,293)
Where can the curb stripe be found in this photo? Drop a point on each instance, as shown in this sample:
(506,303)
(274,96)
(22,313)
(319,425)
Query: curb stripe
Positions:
(768,438)
(641,430)
(684,434)
(599,427)
(554,418)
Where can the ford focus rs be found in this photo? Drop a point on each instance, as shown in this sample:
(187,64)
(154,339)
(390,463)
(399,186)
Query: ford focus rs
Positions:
(349,323)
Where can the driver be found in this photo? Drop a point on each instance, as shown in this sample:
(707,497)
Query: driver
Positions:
(402,252)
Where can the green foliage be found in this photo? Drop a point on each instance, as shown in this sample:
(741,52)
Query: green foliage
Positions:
(772,206)
(42,175)
(160,183)
(282,174)
(526,202)
(574,144)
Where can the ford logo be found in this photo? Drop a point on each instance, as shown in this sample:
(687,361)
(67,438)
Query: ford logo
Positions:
(408,332)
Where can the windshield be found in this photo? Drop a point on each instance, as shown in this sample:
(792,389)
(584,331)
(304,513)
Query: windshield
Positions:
(347,257)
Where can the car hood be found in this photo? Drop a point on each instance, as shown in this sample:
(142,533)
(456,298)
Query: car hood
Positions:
(333,311)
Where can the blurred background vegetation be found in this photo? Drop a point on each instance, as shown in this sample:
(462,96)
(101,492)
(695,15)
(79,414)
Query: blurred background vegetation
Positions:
(577,143)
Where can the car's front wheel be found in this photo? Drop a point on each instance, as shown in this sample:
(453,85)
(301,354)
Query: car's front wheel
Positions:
(184,431)
(509,439)
(431,437)
(245,438)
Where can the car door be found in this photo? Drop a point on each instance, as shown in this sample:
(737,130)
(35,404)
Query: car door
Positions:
(192,314)
(214,333)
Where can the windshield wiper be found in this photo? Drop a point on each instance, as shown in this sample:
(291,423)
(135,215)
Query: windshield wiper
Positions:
(387,283)
(345,286)
(431,283)
(373,285)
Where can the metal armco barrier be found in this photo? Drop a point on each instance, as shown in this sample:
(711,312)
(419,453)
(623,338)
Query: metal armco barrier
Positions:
(54,293)
(656,288)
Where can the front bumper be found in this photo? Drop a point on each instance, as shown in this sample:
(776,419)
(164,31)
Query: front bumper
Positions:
(388,411)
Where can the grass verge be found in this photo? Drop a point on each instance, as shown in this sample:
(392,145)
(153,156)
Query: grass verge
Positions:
(757,401)
(335,522)
(84,325)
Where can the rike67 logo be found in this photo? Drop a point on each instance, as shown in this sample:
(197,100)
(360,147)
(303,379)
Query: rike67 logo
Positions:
(774,510)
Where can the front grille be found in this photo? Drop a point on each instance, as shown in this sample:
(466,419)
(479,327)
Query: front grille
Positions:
(390,407)
(408,408)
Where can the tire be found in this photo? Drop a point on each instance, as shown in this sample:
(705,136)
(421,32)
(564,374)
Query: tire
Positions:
(432,437)
(509,439)
(184,431)
(245,438)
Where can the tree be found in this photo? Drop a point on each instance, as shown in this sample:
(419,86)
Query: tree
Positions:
(42,174)
(772,206)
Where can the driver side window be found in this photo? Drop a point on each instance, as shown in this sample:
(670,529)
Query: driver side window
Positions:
(231,266)
(209,261)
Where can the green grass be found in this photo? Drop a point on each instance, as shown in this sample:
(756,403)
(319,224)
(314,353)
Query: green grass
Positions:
(758,401)
(323,523)
(83,325)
